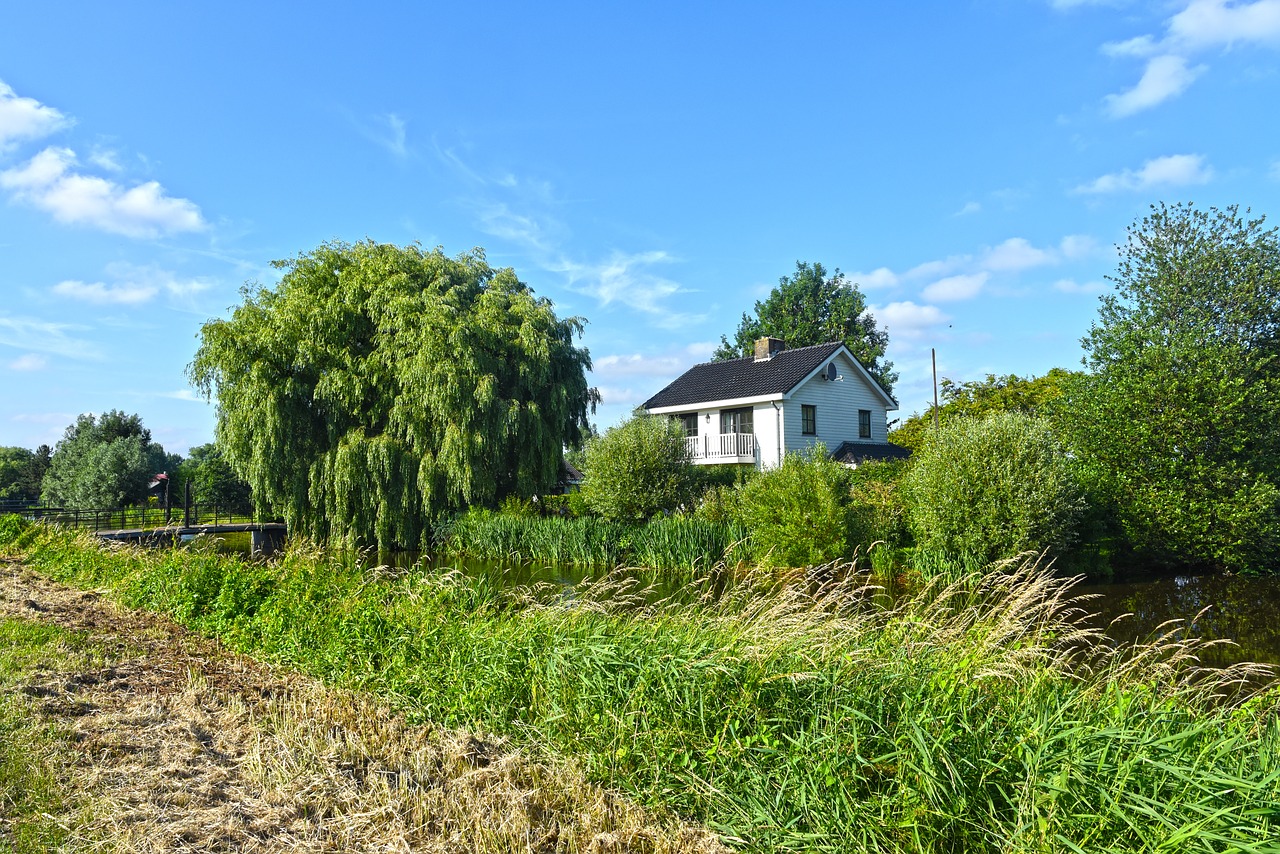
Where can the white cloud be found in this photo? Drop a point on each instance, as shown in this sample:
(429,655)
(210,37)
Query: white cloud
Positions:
(1200,26)
(25,118)
(132,285)
(1214,23)
(183,394)
(955,288)
(906,320)
(29,362)
(101,294)
(934,269)
(1075,246)
(1165,77)
(43,337)
(1070,286)
(969,208)
(881,277)
(49,182)
(1016,254)
(625,279)
(1175,170)
(105,158)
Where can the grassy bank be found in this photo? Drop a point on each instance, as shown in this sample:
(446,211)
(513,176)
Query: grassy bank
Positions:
(34,753)
(978,716)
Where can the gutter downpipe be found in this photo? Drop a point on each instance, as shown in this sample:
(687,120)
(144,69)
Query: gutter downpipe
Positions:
(778,419)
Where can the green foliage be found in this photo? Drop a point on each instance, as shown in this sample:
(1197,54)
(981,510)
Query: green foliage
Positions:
(212,479)
(992,488)
(377,389)
(957,720)
(1176,420)
(638,469)
(976,399)
(878,508)
(674,543)
(103,462)
(798,513)
(814,308)
(21,471)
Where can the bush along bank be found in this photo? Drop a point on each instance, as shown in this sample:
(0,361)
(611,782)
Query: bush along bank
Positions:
(977,715)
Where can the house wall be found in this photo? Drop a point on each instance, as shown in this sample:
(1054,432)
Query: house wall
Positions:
(838,404)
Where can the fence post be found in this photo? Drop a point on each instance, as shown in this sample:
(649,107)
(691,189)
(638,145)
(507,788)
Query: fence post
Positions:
(186,507)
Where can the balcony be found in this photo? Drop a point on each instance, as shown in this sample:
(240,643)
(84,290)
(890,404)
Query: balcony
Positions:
(722,448)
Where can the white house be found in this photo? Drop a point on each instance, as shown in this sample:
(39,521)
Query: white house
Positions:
(757,409)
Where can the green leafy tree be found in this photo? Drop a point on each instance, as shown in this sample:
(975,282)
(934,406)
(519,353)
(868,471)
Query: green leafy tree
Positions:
(14,463)
(212,479)
(812,307)
(377,388)
(799,513)
(977,399)
(1176,419)
(638,469)
(104,461)
(992,488)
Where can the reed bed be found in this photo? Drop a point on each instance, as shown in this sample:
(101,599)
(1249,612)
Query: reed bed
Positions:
(979,714)
(675,543)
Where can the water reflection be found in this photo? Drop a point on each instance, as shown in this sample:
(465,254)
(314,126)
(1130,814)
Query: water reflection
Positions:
(1213,607)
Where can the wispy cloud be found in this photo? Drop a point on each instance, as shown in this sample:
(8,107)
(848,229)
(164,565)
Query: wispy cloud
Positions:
(881,277)
(1016,254)
(908,321)
(29,362)
(25,118)
(39,336)
(1200,26)
(1175,170)
(969,209)
(50,182)
(520,212)
(1070,286)
(954,288)
(131,285)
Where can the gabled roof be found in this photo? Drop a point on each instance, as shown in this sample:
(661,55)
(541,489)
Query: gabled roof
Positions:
(743,378)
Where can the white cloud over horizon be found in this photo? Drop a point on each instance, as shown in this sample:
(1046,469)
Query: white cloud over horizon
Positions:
(50,182)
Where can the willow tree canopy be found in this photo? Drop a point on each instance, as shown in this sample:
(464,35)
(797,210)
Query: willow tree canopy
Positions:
(377,388)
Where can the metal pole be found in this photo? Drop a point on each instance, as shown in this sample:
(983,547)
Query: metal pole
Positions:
(186,507)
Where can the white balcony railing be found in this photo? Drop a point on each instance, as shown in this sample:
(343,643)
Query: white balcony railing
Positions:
(725,447)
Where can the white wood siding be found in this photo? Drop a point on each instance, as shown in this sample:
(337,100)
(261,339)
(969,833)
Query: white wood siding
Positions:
(837,409)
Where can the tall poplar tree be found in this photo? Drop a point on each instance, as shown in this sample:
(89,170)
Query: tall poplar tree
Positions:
(377,388)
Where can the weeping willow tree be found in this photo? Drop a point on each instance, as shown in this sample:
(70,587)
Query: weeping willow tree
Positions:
(378,388)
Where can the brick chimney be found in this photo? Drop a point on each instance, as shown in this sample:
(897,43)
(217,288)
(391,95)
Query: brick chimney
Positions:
(766,348)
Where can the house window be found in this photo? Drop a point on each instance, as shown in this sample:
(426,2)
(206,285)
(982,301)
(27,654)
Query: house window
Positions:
(808,419)
(689,423)
(864,423)
(737,421)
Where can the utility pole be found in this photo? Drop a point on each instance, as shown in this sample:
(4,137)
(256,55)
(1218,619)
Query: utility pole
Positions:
(933,355)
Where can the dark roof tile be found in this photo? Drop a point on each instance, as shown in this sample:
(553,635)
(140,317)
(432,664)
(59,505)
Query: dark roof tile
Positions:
(742,377)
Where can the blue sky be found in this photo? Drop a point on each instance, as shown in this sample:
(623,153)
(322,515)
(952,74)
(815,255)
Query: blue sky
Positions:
(653,169)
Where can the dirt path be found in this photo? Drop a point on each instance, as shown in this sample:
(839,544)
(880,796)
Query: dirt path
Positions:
(184,746)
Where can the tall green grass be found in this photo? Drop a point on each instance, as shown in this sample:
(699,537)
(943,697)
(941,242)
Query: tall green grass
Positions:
(673,543)
(976,715)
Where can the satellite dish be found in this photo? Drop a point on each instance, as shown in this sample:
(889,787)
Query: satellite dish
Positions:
(831,372)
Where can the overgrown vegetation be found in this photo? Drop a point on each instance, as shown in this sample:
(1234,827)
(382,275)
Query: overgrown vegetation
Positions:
(638,469)
(977,715)
(991,488)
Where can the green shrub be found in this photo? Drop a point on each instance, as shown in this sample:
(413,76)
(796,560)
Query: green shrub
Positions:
(798,514)
(638,469)
(990,489)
